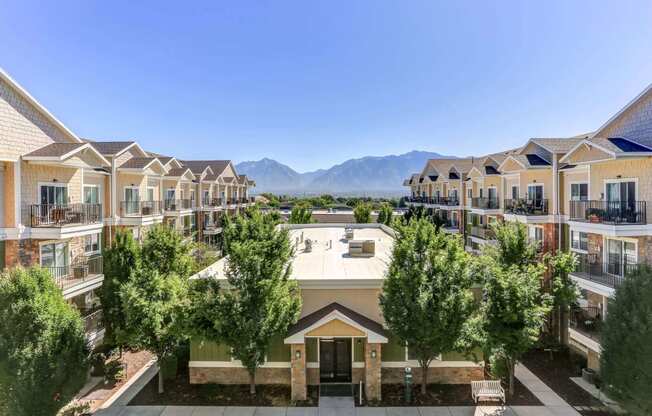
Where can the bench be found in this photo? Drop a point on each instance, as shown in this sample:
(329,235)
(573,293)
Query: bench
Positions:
(487,389)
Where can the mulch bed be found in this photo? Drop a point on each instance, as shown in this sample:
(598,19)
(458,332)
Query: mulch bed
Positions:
(179,392)
(447,395)
(556,373)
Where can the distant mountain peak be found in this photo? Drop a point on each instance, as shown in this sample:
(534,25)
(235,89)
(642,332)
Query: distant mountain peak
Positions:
(364,176)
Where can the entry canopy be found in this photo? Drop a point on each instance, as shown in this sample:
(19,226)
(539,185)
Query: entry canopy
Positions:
(335,320)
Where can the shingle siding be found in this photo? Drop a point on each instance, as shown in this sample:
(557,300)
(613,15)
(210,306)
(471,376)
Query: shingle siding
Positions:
(634,124)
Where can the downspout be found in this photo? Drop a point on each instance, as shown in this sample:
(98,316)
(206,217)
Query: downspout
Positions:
(555,198)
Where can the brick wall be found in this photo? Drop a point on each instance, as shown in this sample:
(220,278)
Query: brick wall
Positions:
(23,253)
(230,375)
(444,375)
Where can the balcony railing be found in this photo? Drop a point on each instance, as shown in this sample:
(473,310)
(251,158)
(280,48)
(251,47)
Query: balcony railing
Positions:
(524,206)
(484,233)
(445,200)
(484,203)
(61,215)
(587,320)
(179,204)
(93,322)
(78,272)
(609,212)
(140,208)
(610,274)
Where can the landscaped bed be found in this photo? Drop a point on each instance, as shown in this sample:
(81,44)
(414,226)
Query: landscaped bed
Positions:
(556,373)
(179,392)
(446,395)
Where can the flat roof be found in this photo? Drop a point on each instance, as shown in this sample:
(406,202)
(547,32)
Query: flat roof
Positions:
(329,262)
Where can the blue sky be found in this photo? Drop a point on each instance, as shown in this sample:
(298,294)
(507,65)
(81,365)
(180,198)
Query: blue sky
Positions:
(312,83)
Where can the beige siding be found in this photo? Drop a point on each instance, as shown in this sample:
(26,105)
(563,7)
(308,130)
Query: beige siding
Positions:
(565,187)
(587,154)
(125,180)
(32,175)
(363,301)
(8,197)
(23,128)
(635,123)
(536,176)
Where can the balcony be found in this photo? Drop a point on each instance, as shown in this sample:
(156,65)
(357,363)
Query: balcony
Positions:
(610,274)
(523,206)
(62,215)
(483,233)
(212,202)
(79,272)
(179,204)
(93,325)
(449,201)
(140,208)
(609,212)
(485,203)
(587,321)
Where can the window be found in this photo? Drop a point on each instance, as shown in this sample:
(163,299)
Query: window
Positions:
(579,241)
(469,193)
(92,244)
(481,192)
(535,192)
(453,194)
(55,257)
(535,234)
(181,194)
(514,191)
(492,193)
(206,197)
(150,193)
(579,191)
(54,194)
(132,199)
(169,194)
(91,194)
(620,255)
(192,194)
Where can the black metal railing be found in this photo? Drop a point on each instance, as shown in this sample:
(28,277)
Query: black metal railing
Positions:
(610,274)
(609,212)
(60,215)
(445,200)
(80,271)
(485,203)
(484,233)
(93,320)
(524,206)
(179,204)
(140,208)
(587,320)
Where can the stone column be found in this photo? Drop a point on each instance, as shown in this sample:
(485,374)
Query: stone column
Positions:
(372,360)
(298,372)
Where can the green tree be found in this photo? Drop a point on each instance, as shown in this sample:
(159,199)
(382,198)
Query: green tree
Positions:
(120,260)
(362,213)
(385,214)
(426,298)
(512,245)
(165,250)
(262,302)
(300,214)
(563,289)
(154,306)
(625,366)
(43,351)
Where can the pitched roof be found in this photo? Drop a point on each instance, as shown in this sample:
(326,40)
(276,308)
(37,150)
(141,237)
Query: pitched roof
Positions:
(198,166)
(137,162)
(177,172)
(111,148)
(311,319)
(242,179)
(55,149)
(557,145)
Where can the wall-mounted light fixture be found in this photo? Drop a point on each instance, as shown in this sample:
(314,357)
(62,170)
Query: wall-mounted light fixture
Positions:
(55,180)
(373,353)
(619,176)
(297,354)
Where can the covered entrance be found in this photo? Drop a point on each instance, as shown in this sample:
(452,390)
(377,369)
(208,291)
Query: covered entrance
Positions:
(335,357)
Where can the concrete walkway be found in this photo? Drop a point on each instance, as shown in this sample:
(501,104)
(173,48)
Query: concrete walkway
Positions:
(551,400)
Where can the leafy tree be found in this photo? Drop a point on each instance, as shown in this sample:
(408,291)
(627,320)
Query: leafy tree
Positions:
(43,351)
(165,250)
(626,367)
(385,214)
(426,297)
(414,212)
(563,289)
(120,260)
(154,306)
(251,226)
(300,214)
(262,302)
(362,213)
(513,245)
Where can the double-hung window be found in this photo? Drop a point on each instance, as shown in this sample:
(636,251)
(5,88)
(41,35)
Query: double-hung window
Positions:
(579,191)
(91,194)
(92,244)
(55,257)
(579,241)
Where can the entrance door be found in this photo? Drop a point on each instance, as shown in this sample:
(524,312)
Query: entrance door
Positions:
(335,360)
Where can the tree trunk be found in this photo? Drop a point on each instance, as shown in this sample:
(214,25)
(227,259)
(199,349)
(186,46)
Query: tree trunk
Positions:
(424,378)
(510,370)
(252,382)
(564,325)
(160,378)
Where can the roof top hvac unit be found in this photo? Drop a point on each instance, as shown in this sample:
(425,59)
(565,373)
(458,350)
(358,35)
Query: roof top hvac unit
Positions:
(362,248)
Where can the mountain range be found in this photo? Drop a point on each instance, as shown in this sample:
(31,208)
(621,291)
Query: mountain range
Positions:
(370,175)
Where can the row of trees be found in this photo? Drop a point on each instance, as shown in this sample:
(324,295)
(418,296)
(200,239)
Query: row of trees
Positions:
(428,304)
(329,201)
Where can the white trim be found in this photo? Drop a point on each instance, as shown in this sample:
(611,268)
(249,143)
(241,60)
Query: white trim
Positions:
(620,180)
(18,215)
(587,143)
(433,364)
(627,230)
(584,340)
(372,337)
(592,286)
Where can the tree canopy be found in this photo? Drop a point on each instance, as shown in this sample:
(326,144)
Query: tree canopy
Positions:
(426,298)
(385,214)
(362,213)
(43,351)
(300,214)
(626,367)
(165,250)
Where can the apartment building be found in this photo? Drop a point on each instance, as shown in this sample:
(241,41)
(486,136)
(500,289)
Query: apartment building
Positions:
(588,194)
(64,197)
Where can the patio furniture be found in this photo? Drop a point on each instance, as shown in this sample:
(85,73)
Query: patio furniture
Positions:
(487,389)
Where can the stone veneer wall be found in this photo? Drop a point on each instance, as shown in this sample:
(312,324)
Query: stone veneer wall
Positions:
(23,253)
(445,375)
(233,375)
